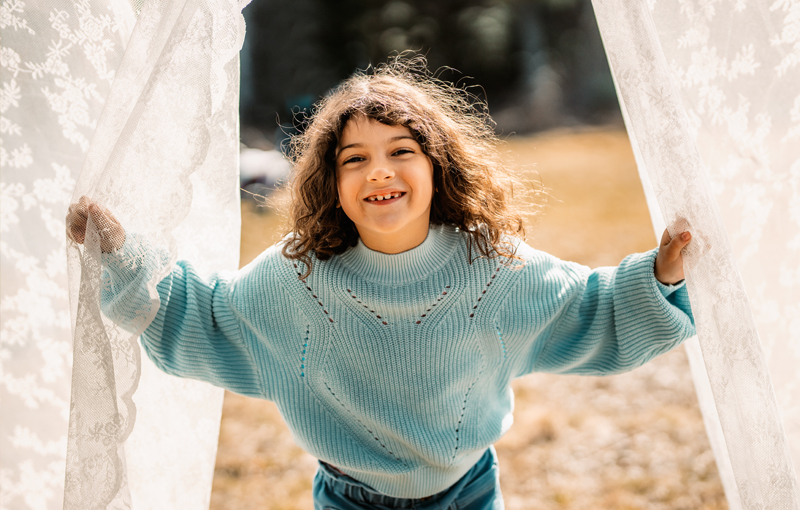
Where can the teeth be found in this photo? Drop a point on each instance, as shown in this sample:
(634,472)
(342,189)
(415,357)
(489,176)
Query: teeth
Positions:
(384,197)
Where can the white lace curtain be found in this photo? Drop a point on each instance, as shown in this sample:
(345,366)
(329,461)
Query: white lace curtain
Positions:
(710,92)
(137,110)
(140,114)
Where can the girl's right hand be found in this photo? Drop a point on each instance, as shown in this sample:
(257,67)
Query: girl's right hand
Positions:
(112,235)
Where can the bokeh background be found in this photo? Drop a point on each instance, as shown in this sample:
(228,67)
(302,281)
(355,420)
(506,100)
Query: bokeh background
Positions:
(633,441)
(539,63)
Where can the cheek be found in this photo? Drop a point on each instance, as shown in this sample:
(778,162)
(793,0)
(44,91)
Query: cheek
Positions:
(427,196)
(347,190)
(341,186)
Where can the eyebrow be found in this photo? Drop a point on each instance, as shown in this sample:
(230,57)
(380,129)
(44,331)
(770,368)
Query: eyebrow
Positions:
(393,139)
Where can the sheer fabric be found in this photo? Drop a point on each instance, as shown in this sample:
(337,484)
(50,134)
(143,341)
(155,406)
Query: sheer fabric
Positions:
(163,158)
(710,98)
(58,61)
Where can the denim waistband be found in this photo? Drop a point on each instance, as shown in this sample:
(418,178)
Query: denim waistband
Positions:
(331,485)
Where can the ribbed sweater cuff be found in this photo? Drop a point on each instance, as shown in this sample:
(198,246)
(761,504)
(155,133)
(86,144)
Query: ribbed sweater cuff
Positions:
(639,294)
(127,295)
(135,257)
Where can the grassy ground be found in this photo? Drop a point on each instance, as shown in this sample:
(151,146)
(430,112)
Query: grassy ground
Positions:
(628,442)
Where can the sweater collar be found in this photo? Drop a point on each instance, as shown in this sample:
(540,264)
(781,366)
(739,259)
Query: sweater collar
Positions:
(408,266)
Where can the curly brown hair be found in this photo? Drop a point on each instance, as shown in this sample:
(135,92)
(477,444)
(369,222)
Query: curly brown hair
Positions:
(473,190)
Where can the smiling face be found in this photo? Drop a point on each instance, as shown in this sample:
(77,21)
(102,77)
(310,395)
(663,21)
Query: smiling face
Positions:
(385,184)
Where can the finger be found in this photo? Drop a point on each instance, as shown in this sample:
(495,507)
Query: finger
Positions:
(80,208)
(677,244)
(98,215)
(78,237)
(76,222)
(665,238)
(76,233)
(75,218)
(107,225)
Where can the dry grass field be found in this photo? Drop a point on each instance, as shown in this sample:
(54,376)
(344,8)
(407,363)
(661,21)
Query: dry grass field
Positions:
(628,442)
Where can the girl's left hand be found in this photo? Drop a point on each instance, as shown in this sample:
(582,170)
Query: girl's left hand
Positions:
(669,262)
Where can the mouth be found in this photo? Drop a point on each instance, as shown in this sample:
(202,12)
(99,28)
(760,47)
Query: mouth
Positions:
(385,198)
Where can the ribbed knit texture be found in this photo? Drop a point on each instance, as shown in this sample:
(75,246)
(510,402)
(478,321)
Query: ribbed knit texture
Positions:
(396,368)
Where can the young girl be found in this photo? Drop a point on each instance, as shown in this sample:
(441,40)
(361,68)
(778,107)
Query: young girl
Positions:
(390,323)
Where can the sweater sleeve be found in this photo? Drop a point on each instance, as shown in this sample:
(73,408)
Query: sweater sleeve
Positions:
(565,318)
(195,332)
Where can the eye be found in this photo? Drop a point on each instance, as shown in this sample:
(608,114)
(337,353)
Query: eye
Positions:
(400,152)
(353,159)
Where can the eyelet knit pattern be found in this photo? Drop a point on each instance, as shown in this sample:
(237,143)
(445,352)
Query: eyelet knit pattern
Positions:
(303,357)
(433,305)
(461,418)
(483,292)
(355,417)
(373,312)
(311,291)
(406,393)
(502,343)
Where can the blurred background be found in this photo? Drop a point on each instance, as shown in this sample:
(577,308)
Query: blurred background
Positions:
(629,442)
(539,64)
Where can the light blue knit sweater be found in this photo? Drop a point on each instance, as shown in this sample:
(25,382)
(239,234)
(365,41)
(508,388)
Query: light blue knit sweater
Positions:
(396,368)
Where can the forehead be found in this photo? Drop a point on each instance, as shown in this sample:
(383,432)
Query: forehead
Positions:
(364,130)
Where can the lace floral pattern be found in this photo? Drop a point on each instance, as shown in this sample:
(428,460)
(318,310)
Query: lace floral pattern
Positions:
(163,156)
(708,118)
(56,59)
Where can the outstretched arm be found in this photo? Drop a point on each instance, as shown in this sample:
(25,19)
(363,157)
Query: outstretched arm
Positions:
(565,318)
(192,327)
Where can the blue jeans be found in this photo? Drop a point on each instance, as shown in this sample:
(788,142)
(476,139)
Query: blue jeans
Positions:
(479,489)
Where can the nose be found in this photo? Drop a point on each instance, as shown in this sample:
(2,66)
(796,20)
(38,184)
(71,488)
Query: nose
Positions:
(380,171)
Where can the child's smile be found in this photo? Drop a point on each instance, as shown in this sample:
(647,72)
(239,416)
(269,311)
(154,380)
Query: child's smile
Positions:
(385,184)
(385,197)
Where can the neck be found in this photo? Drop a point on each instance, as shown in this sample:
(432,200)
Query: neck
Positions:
(411,265)
(396,242)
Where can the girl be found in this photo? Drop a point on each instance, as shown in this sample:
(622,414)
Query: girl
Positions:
(389,324)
